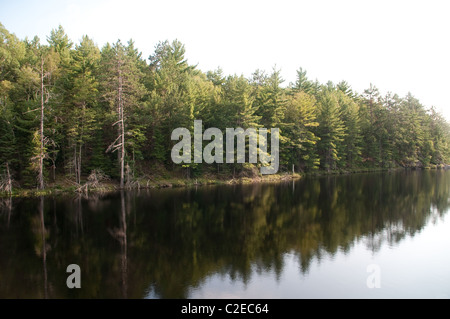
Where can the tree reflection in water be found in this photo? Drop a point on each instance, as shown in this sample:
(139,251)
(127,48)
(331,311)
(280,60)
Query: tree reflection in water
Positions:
(170,241)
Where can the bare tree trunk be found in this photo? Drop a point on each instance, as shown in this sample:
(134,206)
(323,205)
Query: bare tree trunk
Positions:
(121,126)
(81,144)
(75,163)
(9,181)
(41,155)
(79,164)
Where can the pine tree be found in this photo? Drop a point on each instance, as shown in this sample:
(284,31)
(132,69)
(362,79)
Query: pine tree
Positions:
(302,83)
(351,144)
(36,79)
(122,89)
(331,129)
(440,133)
(7,137)
(271,102)
(12,54)
(300,117)
(414,114)
(81,101)
(170,75)
(372,117)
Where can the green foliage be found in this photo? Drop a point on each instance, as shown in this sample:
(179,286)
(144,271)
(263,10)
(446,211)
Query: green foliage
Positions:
(302,83)
(331,129)
(352,142)
(271,100)
(301,120)
(321,126)
(7,137)
(12,54)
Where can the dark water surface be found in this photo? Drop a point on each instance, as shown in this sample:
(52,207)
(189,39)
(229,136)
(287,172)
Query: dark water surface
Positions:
(378,235)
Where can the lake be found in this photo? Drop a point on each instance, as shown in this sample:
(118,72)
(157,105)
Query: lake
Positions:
(375,235)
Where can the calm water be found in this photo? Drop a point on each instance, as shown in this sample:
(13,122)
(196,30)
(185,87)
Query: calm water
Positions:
(330,237)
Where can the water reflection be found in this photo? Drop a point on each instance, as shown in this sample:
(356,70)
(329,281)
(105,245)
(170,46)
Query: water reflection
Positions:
(120,234)
(168,243)
(44,247)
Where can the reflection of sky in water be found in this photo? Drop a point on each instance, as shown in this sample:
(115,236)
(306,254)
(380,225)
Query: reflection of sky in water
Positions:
(416,267)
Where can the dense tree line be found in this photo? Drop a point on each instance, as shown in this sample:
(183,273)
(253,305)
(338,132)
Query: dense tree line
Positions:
(69,109)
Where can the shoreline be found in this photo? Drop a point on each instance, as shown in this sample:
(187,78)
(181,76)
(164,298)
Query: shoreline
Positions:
(62,187)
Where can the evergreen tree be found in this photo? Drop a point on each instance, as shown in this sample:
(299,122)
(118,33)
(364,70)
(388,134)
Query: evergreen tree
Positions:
(271,101)
(123,90)
(331,129)
(372,126)
(300,117)
(170,73)
(82,99)
(351,145)
(302,83)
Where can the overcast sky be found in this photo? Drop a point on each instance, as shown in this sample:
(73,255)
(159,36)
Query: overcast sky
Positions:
(399,46)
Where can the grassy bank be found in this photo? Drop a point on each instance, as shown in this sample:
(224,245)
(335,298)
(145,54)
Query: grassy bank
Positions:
(64,186)
(165,179)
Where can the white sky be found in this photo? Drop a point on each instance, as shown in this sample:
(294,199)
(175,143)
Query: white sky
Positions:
(399,46)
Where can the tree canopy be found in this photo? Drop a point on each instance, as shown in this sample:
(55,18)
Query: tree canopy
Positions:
(67,109)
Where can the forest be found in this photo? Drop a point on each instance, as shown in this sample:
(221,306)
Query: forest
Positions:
(77,112)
